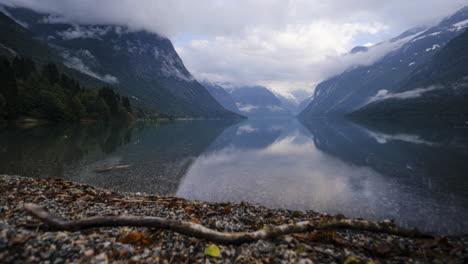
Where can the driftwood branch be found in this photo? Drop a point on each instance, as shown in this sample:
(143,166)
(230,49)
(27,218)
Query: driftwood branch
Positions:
(199,231)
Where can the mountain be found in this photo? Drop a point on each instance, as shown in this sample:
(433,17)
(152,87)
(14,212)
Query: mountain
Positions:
(438,87)
(141,65)
(258,102)
(353,88)
(222,96)
(288,103)
(303,105)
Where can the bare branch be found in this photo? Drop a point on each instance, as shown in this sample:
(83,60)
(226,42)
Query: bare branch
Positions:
(199,231)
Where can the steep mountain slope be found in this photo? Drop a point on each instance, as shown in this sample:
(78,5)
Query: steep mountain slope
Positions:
(258,102)
(303,105)
(439,87)
(222,96)
(16,39)
(353,88)
(143,65)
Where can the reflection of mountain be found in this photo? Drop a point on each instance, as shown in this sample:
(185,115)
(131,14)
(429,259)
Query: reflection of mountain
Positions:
(49,151)
(159,156)
(337,167)
(159,153)
(433,157)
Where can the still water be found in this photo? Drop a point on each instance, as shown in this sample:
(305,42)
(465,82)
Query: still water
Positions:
(416,174)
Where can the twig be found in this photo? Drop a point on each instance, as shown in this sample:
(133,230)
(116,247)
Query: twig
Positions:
(199,231)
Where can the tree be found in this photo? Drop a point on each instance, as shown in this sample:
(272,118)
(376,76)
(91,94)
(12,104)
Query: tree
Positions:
(2,107)
(77,109)
(126,103)
(23,67)
(8,87)
(51,73)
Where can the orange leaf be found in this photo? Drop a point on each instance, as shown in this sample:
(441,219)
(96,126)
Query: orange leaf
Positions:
(139,238)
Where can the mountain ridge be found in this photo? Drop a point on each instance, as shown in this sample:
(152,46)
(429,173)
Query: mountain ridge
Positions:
(352,89)
(141,65)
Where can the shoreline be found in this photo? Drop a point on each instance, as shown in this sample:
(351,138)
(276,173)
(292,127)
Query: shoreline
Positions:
(23,239)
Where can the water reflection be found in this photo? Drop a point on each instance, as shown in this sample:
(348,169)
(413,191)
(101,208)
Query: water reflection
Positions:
(49,151)
(336,166)
(413,173)
(158,154)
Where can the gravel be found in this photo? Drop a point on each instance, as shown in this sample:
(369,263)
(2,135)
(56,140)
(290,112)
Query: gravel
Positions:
(25,240)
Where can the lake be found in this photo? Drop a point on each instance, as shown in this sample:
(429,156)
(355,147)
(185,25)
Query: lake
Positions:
(415,173)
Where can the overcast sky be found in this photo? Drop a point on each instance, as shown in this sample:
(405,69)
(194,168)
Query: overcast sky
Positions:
(286,45)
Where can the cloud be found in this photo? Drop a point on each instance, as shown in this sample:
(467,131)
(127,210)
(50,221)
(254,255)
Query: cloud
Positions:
(78,64)
(384,94)
(247,108)
(288,44)
(83,32)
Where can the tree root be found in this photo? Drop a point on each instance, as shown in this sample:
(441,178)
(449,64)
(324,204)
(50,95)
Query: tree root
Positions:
(199,231)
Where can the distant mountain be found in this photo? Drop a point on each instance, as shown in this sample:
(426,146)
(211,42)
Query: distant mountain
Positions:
(258,102)
(303,105)
(290,104)
(142,65)
(354,88)
(438,87)
(222,96)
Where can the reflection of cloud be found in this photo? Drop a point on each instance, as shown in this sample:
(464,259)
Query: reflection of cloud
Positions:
(290,173)
(246,108)
(385,138)
(293,173)
(245,129)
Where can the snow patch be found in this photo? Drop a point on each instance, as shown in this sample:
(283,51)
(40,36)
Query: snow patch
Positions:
(425,36)
(8,49)
(412,63)
(434,47)
(460,25)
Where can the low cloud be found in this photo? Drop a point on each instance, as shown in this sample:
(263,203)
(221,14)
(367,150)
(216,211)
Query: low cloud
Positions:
(76,32)
(287,45)
(77,64)
(384,94)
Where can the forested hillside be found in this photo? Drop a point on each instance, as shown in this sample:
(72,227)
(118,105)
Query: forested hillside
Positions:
(27,91)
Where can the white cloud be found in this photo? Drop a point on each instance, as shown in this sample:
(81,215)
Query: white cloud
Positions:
(78,64)
(277,42)
(384,94)
(83,32)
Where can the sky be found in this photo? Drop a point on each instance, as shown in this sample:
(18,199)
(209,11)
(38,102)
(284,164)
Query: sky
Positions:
(288,46)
